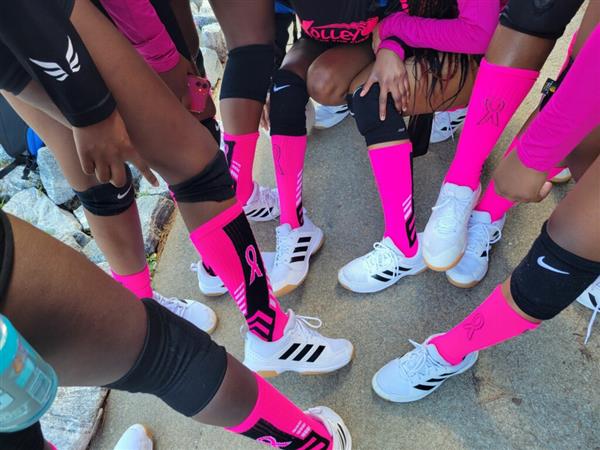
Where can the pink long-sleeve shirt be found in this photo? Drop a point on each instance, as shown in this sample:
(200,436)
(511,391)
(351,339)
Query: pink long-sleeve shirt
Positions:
(138,21)
(469,33)
(572,113)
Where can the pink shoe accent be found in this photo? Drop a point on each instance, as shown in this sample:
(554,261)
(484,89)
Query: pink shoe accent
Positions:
(138,283)
(493,322)
(288,157)
(240,151)
(497,94)
(393,174)
(277,422)
(227,245)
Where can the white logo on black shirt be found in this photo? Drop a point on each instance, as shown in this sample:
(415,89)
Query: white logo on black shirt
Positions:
(55,70)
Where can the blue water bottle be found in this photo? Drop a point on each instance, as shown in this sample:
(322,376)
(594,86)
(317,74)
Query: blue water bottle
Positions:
(27,383)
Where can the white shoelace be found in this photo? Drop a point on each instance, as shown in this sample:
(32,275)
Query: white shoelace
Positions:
(283,252)
(481,237)
(418,364)
(308,325)
(594,312)
(459,206)
(266,197)
(195,267)
(381,257)
(173,304)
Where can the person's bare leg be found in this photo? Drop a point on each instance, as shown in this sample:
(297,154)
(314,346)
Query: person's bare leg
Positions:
(89,328)
(119,237)
(511,48)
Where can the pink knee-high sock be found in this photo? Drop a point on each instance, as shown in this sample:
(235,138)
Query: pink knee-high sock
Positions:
(288,157)
(228,247)
(277,422)
(393,174)
(138,283)
(497,94)
(492,322)
(240,151)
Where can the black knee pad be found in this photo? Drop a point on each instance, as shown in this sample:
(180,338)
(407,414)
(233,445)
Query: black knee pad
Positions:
(248,72)
(179,363)
(550,278)
(546,19)
(108,200)
(213,184)
(30,438)
(366,113)
(213,127)
(289,97)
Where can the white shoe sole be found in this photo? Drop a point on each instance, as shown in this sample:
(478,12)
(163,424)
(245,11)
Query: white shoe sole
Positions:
(469,285)
(346,284)
(391,398)
(444,268)
(270,371)
(292,285)
(212,292)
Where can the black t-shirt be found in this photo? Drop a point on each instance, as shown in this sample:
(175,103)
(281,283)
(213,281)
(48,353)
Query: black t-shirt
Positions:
(340,21)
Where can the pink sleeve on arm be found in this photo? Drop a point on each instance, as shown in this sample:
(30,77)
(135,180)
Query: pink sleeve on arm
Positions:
(138,21)
(469,33)
(571,114)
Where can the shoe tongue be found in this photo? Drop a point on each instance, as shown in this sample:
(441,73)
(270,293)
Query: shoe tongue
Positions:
(284,228)
(388,243)
(462,192)
(481,217)
(435,355)
(291,321)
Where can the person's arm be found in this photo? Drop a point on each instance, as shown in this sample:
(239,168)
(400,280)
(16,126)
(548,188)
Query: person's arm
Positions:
(469,33)
(44,41)
(138,21)
(570,115)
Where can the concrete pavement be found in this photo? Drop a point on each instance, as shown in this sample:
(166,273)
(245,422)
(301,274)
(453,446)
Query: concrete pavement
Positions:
(539,391)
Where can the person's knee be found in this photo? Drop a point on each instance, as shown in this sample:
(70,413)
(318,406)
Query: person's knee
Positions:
(248,72)
(107,200)
(324,87)
(550,278)
(366,113)
(288,104)
(186,379)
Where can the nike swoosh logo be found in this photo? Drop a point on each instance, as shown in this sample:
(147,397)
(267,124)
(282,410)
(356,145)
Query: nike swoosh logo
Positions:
(122,196)
(279,88)
(541,263)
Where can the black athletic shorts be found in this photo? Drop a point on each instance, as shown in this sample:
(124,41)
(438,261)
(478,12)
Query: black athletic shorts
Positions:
(7,253)
(28,439)
(546,19)
(13,77)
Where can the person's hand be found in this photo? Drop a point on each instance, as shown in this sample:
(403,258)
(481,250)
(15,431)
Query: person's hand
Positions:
(103,149)
(176,78)
(516,182)
(390,72)
(375,39)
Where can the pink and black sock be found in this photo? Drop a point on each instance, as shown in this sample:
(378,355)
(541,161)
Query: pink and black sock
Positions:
(277,422)
(493,322)
(288,135)
(227,245)
(497,94)
(240,151)
(139,283)
(392,167)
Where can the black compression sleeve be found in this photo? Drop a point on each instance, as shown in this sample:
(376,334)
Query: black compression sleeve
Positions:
(41,36)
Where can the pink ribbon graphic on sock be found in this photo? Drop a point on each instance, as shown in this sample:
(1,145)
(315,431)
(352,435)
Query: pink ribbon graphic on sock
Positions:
(270,440)
(476,323)
(492,115)
(252,261)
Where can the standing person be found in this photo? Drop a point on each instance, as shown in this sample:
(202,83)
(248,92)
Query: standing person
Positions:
(529,29)
(427,58)
(101,100)
(101,335)
(562,262)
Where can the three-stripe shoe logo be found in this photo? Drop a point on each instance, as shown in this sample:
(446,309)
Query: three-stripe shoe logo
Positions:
(307,353)
(55,70)
(260,213)
(301,251)
(388,275)
(432,383)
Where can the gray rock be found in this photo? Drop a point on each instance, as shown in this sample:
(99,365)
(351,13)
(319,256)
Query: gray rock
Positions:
(155,214)
(212,37)
(5,158)
(212,64)
(147,189)
(203,20)
(34,207)
(13,183)
(105,267)
(53,180)
(80,216)
(93,252)
(74,417)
